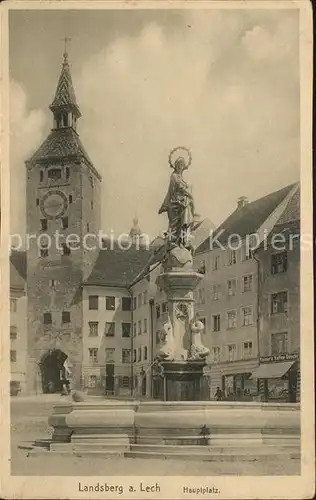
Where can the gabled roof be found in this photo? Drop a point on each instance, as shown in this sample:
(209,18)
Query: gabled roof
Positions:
(117,267)
(247,219)
(65,94)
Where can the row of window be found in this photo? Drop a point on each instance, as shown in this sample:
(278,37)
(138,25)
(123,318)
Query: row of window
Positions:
(64,222)
(279,305)
(246,319)
(137,327)
(229,353)
(93,381)
(109,330)
(279,345)
(109,355)
(140,354)
(278,261)
(231,287)
(55,174)
(140,300)
(110,303)
(48,319)
(65,249)
(232,258)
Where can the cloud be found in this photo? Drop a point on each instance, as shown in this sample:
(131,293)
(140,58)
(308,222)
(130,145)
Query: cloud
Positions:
(224,83)
(27,129)
(198,86)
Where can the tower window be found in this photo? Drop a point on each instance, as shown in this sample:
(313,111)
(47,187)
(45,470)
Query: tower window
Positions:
(64,222)
(41,175)
(67,173)
(47,317)
(70,198)
(44,224)
(92,204)
(66,249)
(65,119)
(54,174)
(37,202)
(58,121)
(65,317)
(44,250)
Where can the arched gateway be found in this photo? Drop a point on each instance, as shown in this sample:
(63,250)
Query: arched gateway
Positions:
(53,370)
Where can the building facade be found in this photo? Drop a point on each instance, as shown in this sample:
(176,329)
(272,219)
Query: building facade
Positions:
(227,300)
(18,325)
(279,308)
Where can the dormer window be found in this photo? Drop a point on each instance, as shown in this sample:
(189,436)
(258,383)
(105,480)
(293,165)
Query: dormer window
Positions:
(54,174)
(41,175)
(67,173)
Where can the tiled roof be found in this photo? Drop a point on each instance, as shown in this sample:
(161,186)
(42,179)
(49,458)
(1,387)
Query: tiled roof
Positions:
(117,267)
(292,210)
(60,143)
(17,269)
(247,219)
(288,224)
(65,94)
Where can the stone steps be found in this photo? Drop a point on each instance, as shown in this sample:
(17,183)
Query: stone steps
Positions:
(216,457)
(192,449)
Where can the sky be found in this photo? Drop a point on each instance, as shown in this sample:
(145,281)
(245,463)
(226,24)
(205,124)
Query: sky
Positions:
(223,83)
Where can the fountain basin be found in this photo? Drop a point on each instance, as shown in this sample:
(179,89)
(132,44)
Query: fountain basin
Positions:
(177,429)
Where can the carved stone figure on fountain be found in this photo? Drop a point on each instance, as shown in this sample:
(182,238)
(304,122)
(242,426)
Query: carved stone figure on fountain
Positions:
(179,203)
(197,350)
(166,347)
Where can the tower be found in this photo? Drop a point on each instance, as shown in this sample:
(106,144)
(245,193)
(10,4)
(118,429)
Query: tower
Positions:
(63,209)
(135,231)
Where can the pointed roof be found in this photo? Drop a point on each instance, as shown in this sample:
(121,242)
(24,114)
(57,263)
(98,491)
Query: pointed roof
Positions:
(65,94)
(135,229)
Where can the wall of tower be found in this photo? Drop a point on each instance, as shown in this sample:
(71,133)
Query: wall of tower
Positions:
(54,281)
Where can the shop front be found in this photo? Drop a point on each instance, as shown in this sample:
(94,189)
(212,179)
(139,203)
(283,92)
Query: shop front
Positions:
(278,378)
(234,380)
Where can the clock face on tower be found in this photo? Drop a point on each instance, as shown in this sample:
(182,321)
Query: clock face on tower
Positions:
(54,204)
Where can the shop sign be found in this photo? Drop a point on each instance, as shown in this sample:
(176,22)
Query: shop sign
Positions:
(279,357)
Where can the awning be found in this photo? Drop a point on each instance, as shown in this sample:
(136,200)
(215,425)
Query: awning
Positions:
(272,370)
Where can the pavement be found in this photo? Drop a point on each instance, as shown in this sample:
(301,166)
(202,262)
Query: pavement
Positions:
(29,424)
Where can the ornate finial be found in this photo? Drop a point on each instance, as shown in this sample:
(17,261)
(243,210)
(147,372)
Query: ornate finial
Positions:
(66,40)
(135,220)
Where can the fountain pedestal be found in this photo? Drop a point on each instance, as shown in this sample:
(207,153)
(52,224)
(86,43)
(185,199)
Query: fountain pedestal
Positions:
(181,354)
(182,380)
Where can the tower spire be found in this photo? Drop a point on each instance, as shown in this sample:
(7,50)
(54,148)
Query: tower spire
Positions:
(64,106)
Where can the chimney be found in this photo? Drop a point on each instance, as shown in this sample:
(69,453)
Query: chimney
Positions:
(242,202)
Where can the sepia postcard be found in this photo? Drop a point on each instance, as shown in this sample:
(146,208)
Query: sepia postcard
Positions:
(157,329)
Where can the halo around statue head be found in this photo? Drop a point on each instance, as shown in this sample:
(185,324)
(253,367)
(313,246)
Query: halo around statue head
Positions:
(173,157)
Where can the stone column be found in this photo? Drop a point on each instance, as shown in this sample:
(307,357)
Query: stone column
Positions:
(182,356)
